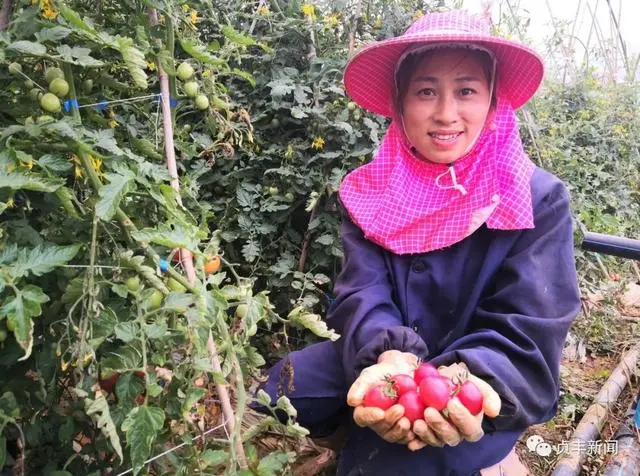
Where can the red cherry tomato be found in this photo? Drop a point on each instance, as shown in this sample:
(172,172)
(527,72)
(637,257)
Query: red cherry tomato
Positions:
(402,384)
(381,396)
(436,391)
(471,397)
(413,406)
(425,370)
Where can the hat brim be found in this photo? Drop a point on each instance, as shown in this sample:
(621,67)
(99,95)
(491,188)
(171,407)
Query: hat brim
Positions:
(369,75)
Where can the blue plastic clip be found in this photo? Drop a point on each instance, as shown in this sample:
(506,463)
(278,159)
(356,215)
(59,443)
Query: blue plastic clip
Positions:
(636,419)
(70,104)
(102,105)
(173,102)
(164,265)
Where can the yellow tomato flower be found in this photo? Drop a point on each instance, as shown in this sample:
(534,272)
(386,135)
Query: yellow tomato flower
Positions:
(151,66)
(11,203)
(193,17)
(330,21)
(64,365)
(185,7)
(309,10)
(289,152)
(318,143)
(78,172)
(264,11)
(113,123)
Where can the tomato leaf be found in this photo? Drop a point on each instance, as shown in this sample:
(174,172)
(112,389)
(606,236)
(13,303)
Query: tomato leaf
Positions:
(128,387)
(28,48)
(34,182)
(133,59)
(141,426)
(55,163)
(111,195)
(237,37)
(98,410)
(198,51)
(77,55)
(176,236)
(41,259)
(273,463)
(302,318)
(127,331)
(54,34)
(20,311)
(213,458)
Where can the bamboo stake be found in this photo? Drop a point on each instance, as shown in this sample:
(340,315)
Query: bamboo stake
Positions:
(591,424)
(187,257)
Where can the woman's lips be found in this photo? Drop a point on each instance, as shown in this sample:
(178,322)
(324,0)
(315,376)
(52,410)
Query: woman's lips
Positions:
(445,140)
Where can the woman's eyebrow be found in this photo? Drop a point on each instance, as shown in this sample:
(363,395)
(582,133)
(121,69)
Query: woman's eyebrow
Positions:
(433,79)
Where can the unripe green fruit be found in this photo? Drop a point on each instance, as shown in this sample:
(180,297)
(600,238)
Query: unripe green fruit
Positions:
(15,68)
(133,283)
(53,73)
(87,85)
(351,106)
(44,118)
(175,285)
(185,71)
(50,103)
(191,89)
(202,102)
(242,310)
(35,94)
(59,87)
(155,300)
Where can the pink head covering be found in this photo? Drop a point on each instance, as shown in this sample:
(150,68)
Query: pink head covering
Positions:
(408,205)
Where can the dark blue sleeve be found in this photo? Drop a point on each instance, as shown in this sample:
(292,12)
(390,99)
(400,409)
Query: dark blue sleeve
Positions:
(517,334)
(364,312)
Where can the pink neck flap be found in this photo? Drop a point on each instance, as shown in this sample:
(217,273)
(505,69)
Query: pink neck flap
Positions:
(408,205)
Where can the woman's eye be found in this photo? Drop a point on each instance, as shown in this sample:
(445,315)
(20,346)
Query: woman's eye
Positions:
(466,91)
(426,92)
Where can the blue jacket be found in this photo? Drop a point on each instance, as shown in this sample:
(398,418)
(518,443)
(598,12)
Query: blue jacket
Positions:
(500,301)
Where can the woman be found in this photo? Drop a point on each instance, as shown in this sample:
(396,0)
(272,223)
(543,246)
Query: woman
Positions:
(458,250)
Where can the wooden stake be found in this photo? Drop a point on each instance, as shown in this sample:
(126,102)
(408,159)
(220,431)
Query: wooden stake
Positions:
(186,256)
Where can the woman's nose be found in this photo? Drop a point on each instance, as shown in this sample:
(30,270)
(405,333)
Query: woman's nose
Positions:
(446,109)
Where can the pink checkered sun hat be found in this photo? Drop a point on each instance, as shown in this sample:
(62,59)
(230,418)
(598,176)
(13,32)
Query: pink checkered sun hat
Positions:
(369,75)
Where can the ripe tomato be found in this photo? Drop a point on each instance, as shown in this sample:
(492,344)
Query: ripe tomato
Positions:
(213,265)
(413,406)
(471,397)
(425,370)
(435,391)
(402,384)
(381,396)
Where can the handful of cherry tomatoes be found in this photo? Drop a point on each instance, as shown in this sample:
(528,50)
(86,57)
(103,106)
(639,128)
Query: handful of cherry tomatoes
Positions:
(427,388)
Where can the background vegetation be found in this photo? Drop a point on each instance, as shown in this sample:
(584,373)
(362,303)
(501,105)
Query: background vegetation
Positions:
(105,357)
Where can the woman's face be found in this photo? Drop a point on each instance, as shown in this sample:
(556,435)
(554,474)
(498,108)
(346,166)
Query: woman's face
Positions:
(446,104)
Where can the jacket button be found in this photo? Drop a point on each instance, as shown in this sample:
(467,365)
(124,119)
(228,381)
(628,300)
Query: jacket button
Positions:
(419,266)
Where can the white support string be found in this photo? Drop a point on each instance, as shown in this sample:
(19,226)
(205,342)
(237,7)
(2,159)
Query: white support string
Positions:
(21,73)
(133,99)
(176,448)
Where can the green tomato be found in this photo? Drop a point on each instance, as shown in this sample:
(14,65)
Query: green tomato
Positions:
(3,335)
(351,106)
(242,310)
(357,115)
(44,118)
(185,71)
(175,285)
(187,128)
(273,191)
(35,94)
(191,89)
(29,121)
(289,197)
(28,84)
(155,300)
(15,68)
(133,283)
(87,85)
(275,122)
(53,73)
(50,103)
(59,87)
(202,102)
(11,325)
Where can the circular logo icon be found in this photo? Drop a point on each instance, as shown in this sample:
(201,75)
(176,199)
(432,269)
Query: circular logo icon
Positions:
(533,441)
(543,449)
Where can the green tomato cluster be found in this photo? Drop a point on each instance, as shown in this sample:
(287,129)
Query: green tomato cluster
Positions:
(191,87)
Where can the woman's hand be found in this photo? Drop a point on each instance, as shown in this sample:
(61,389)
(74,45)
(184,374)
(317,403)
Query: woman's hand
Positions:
(390,424)
(460,425)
